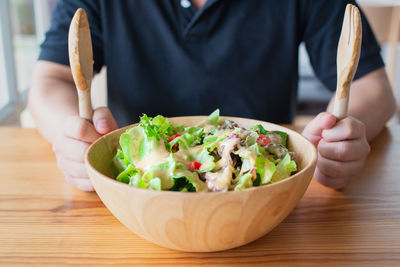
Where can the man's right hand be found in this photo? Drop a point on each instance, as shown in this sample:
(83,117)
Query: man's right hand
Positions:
(73,140)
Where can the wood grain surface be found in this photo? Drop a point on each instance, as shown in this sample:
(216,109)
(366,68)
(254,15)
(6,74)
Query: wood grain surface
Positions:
(45,221)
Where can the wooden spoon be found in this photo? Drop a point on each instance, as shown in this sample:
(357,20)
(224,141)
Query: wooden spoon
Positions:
(81,61)
(348,54)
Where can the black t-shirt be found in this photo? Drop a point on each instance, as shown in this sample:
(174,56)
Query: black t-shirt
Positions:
(166,57)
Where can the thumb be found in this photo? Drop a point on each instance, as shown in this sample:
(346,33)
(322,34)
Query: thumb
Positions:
(103,120)
(313,130)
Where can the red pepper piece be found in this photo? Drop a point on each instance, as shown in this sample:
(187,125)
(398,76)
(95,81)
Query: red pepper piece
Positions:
(176,146)
(194,166)
(263,140)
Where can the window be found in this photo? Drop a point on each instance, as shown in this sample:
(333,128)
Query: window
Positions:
(24,40)
(3,87)
(22,27)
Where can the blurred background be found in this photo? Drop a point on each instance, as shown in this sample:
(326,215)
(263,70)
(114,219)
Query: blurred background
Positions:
(23,24)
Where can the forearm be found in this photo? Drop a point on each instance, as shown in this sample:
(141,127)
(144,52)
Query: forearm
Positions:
(52,97)
(371,101)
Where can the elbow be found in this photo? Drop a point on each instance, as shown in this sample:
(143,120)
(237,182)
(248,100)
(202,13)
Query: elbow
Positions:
(386,96)
(393,107)
(34,95)
(30,100)
(29,103)
(390,104)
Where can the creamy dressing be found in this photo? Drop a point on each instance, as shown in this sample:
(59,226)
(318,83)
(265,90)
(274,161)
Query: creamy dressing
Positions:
(249,156)
(221,180)
(154,161)
(156,156)
(186,156)
(227,145)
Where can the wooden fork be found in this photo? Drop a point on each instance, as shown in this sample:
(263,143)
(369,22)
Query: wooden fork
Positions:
(348,54)
(81,61)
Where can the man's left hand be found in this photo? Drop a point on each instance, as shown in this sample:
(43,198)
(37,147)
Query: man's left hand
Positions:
(342,148)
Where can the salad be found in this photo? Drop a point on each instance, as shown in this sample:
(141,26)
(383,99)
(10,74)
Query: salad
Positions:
(215,155)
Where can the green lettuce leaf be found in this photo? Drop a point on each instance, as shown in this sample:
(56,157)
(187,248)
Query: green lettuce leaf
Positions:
(206,160)
(257,149)
(119,162)
(130,142)
(197,133)
(259,128)
(192,136)
(214,116)
(163,172)
(155,184)
(182,141)
(136,180)
(158,127)
(183,185)
(168,172)
(247,165)
(244,182)
(284,169)
(284,137)
(125,176)
(213,139)
(147,146)
(150,129)
(251,139)
(136,145)
(191,177)
(265,169)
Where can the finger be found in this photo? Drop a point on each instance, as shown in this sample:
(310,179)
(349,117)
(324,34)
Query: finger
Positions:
(82,183)
(71,167)
(349,150)
(346,129)
(314,129)
(104,120)
(80,129)
(335,183)
(70,148)
(338,169)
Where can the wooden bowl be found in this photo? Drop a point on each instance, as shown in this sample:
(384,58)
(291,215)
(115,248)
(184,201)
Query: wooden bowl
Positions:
(200,222)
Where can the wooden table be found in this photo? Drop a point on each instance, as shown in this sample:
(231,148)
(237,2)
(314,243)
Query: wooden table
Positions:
(45,221)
